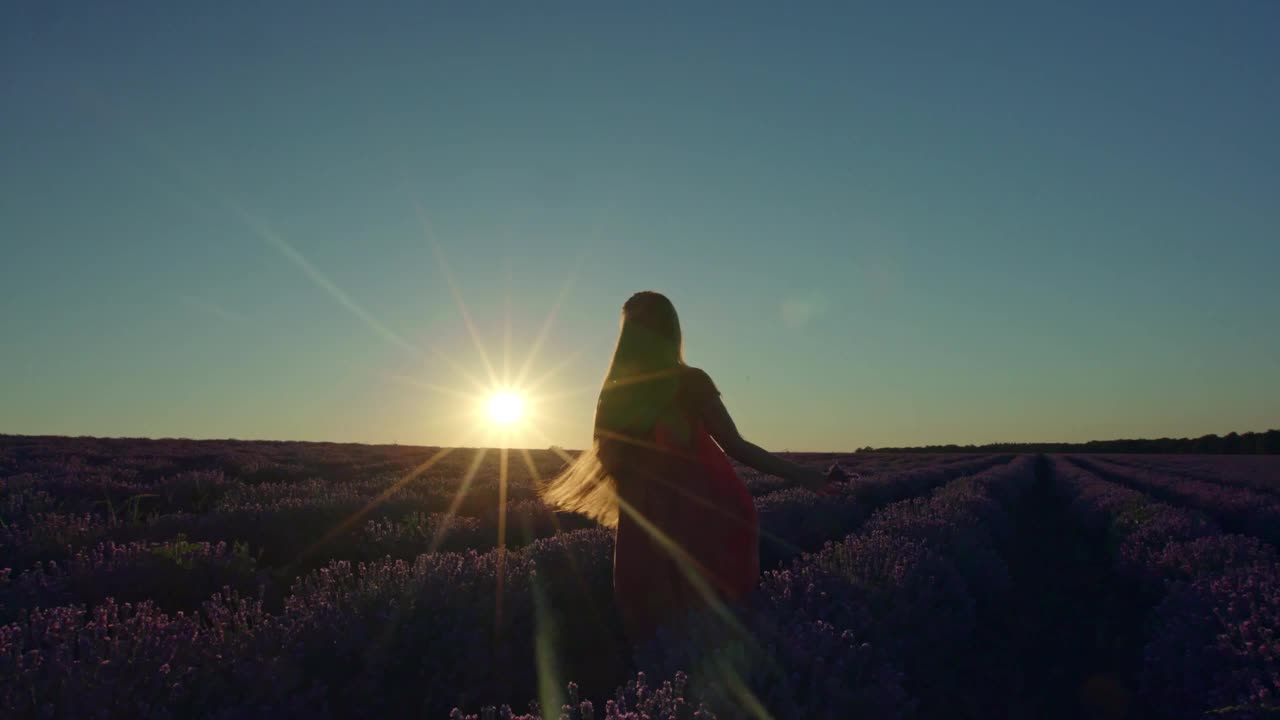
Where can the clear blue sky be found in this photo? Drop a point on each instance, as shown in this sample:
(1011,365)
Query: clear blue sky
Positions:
(901,223)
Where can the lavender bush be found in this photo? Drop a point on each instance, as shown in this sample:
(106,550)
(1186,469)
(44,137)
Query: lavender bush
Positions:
(167,579)
(1212,647)
(1238,509)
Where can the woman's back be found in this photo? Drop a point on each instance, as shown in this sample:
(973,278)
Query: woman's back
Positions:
(687,533)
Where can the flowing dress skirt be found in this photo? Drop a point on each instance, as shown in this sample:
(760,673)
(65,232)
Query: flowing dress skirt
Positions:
(687,537)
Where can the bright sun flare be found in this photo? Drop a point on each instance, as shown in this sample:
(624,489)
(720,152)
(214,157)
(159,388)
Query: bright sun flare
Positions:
(505,407)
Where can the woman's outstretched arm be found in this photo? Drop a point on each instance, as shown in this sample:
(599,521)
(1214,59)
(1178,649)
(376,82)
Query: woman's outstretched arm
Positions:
(725,432)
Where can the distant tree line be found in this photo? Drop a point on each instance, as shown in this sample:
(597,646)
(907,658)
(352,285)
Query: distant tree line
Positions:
(1250,443)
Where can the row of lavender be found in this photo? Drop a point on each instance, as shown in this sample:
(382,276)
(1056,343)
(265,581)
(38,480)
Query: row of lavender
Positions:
(350,637)
(1212,647)
(179,573)
(862,628)
(123,477)
(1237,509)
(912,582)
(145,461)
(1255,472)
(262,537)
(132,466)
(49,514)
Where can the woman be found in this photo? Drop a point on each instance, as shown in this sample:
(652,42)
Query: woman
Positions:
(658,472)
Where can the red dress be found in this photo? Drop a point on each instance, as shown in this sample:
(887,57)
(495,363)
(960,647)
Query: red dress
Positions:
(687,533)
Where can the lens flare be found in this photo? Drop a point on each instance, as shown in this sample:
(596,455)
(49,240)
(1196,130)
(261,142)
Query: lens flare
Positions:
(505,407)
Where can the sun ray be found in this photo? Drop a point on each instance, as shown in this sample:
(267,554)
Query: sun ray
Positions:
(545,330)
(647,444)
(292,254)
(458,497)
(189,182)
(458,368)
(677,489)
(212,308)
(710,507)
(684,562)
(537,483)
(559,451)
(555,521)
(466,319)
(548,675)
(591,240)
(543,438)
(506,330)
(745,697)
(443,266)
(641,377)
(532,467)
(562,454)
(377,500)
(567,360)
(689,567)
(502,534)
(421,384)
(574,392)
(471,330)
(544,634)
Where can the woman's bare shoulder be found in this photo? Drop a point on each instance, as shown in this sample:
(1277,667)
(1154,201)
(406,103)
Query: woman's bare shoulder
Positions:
(700,382)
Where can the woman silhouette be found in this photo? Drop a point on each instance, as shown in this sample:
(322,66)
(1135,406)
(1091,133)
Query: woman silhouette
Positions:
(657,471)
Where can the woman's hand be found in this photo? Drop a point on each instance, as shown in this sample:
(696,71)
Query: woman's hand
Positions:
(817,480)
(811,478)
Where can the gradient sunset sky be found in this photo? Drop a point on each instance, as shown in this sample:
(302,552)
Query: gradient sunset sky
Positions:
(889,224)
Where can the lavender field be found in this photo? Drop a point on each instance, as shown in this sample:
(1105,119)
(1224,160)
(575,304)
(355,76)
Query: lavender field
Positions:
(210,579)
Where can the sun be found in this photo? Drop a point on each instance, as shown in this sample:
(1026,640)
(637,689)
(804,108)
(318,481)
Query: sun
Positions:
(505,407)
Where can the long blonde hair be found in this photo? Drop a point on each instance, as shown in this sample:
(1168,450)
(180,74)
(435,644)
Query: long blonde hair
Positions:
(638,393)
